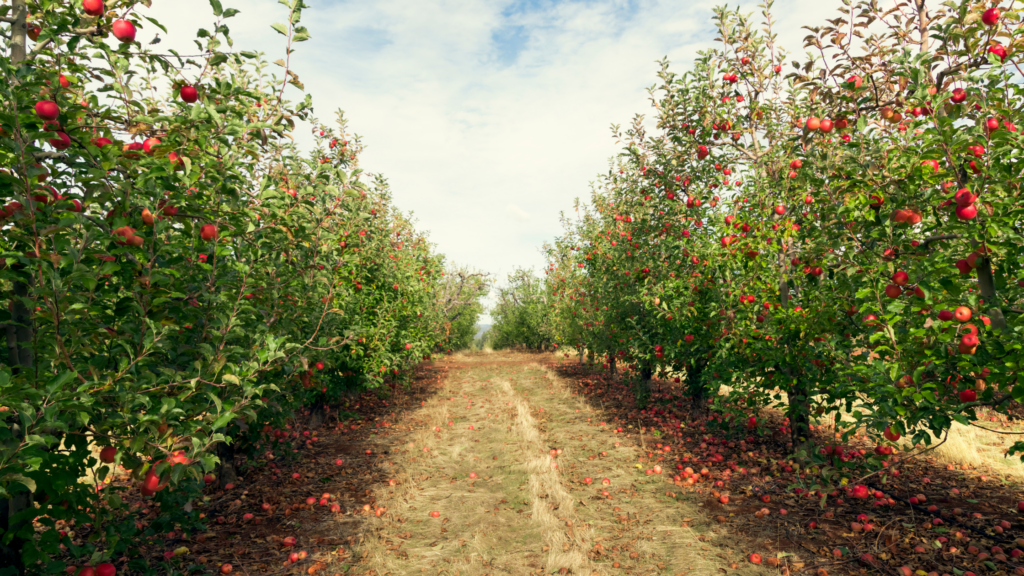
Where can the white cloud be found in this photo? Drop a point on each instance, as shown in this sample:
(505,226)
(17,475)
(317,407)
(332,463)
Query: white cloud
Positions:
(459,123)
(519,213)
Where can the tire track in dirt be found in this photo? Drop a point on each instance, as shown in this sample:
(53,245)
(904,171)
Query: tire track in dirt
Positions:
(478,453)
(567,541)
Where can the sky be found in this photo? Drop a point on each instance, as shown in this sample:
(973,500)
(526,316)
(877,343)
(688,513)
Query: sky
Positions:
(488,117)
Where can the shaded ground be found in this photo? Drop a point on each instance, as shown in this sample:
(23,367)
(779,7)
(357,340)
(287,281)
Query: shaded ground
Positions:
(926,516)
(473,442)
(477,441)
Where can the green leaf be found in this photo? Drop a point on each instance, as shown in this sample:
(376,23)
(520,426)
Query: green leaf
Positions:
(213,112)
(222,420)
(217,8)
(24,480)
(282,29)
(230,12)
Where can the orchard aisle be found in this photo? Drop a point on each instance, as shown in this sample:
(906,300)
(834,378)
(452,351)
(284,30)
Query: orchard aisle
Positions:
(477,454)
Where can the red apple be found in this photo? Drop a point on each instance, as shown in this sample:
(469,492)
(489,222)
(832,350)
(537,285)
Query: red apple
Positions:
(47,109)
(93,7)
(990,17)
(968,396)
(61,142)
(106,569)
(208,232)
(149,145)
(189,94)
(123,30)
(108,454)
(962,313)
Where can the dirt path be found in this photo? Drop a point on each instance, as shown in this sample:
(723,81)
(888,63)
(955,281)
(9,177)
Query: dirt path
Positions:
(478,453)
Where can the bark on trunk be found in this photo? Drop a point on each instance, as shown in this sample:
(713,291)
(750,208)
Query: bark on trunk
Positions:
(694,383)
(799,412)
(317,416)
(643,387)
(226,473)
(10,554)
(987,287)
(20,336)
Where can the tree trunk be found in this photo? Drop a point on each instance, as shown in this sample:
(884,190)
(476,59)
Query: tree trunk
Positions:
(799,412)
(643,387)
(611,367)
(694,385)
(987,287)
(226,473)
(20,336)
(317,416)
(24,334)
(10,553)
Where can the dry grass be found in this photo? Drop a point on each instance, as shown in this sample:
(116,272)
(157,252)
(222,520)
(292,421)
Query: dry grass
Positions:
(523,515)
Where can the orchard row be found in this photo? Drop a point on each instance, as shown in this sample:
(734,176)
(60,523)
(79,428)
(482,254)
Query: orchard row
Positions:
(182,280)
(841,239)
